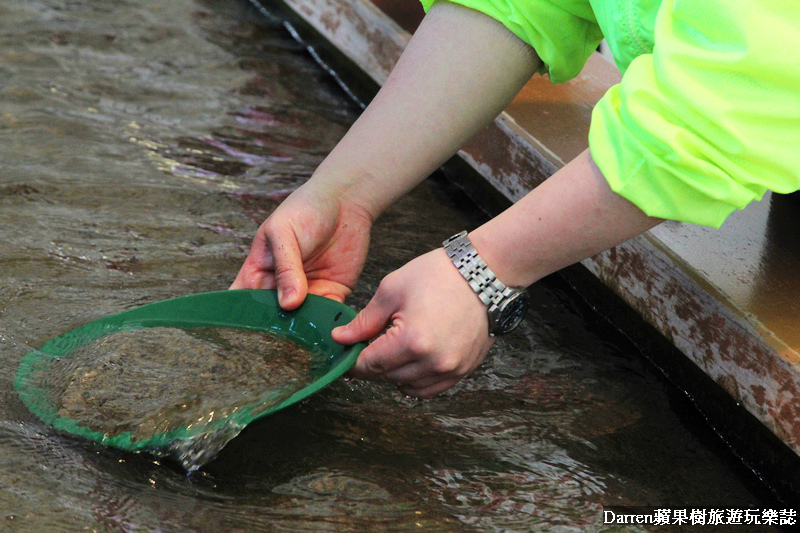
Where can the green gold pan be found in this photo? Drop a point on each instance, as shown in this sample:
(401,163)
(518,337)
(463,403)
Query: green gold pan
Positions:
(310,326)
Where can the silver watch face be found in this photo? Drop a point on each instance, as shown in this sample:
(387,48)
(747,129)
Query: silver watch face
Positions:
(511,314)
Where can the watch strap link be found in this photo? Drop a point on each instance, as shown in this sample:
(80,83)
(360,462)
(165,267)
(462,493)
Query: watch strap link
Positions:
(480,277)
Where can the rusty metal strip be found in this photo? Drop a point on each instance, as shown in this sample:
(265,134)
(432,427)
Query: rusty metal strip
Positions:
(359,30)
(757,370)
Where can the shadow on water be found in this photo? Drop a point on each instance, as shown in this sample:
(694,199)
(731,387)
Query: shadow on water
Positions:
(142,144)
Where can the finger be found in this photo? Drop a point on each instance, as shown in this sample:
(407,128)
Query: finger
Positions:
(368,323)
(290,277)
(329,289)
(250,277)
(415,374)
(256,271)
(430,391)
(382,356)
(423,373)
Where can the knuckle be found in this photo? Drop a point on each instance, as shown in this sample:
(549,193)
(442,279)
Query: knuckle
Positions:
(270,226)
(361,321)
(446,365)
(420,343)
(276,232)
(284,271)
(373,366)
(388,285)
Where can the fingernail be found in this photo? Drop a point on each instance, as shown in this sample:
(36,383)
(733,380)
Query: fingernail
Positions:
(286,294)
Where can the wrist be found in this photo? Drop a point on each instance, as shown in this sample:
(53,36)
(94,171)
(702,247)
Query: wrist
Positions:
(497,250)
(352,186)
(506,306)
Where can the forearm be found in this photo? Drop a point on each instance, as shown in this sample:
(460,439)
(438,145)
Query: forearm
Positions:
(571,216)
(457,74)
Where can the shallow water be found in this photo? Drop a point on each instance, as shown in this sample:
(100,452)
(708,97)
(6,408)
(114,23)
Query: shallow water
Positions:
(141,145)
(131,387)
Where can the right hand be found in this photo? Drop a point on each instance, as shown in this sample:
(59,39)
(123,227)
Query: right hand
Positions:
(439,329)
(311,243)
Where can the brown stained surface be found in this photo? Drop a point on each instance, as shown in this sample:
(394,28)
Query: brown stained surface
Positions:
(559,114)
(407,14)
(708,329)
(728,298)
(751,264)
(754,259)
(506,157)
(359,30)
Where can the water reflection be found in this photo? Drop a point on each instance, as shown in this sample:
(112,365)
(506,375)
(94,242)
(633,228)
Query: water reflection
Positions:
(141,145)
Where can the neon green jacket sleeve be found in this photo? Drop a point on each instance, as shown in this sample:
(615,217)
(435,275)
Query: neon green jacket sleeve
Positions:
(710,119)
(707,117)
(564,33)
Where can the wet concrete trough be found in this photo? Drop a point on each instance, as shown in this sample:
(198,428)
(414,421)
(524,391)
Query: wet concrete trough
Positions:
(727,299)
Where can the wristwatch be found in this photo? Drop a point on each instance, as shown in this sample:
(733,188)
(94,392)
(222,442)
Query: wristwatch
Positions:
(506,305)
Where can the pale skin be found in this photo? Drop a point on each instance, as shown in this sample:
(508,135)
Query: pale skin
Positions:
(458,72)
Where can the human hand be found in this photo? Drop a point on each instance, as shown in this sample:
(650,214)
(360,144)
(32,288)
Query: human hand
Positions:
(439,328)
(313,243)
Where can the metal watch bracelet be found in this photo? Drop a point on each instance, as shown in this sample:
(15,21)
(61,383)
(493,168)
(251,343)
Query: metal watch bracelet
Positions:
(480,277)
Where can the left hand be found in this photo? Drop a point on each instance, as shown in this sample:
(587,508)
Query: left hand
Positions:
(313,242)
(439,328)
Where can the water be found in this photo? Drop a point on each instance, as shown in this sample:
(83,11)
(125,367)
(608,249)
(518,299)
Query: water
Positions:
(198,386)
(141,145)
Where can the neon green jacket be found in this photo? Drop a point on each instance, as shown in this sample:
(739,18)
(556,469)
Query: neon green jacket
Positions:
(707,116)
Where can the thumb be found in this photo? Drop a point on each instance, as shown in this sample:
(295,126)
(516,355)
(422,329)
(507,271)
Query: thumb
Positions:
(290,278)
(368,323)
